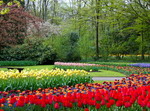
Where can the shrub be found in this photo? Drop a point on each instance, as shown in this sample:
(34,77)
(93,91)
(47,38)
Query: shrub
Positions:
(32,50)
(65,46)
(18,63)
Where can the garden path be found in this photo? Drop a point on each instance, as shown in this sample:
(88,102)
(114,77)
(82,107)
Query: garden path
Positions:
(106,78)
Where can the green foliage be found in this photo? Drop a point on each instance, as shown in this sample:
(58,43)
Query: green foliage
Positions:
(65,46)
(31,50)
(86,68)
(73,53)
(32,83)
(62,47)
(85,47)
(18,63)
(50,107)
(123,29)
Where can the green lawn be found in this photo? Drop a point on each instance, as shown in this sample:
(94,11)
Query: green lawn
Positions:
(106,73)
(38,67)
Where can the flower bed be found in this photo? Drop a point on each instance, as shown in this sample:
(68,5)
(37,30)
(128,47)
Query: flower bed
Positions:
(96,67)
(140,65)
(131,93)
(32,80)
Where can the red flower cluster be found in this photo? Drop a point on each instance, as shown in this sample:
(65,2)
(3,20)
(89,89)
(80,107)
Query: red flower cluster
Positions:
(129,92)
(100,97)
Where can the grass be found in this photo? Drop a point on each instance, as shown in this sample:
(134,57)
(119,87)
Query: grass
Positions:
(101,81)
(38,67)
(106,73)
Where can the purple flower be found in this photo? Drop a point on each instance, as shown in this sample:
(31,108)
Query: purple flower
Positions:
(140,65)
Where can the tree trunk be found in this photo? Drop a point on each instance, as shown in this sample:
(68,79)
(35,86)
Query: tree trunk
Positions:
(34,8)
(97,27)
(142,51)
(79,16)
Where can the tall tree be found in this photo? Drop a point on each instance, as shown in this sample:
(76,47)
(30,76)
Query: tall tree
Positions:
(97,26)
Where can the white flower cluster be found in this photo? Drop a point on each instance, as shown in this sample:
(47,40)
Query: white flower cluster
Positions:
(43,29)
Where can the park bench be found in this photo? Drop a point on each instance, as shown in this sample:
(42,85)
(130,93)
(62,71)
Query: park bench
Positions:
(19,69)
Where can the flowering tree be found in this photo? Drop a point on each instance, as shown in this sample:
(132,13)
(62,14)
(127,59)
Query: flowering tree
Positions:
(13,25)
(45,29)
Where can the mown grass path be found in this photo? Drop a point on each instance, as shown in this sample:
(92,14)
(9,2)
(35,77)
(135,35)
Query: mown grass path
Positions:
(106,78)
(106,73)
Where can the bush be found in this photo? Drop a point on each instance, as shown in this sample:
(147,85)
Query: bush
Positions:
(32,50)
(66,47)
(18,63)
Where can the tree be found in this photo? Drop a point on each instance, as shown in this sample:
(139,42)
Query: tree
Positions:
(140,9)
(13,26)
(97,26)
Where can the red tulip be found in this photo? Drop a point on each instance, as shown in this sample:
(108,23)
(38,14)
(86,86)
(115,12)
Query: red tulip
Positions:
(49,101)
(103,102)
(21,98)
(43,104)
(148,104)
(12,100)
(20,103)
(106,97)
(86,109)
(56,106)
(142,103)
(1,110)
(127,98)
(97,106)
(3,100)
(108,105)
(132,100)
(44,96)
(119,103)
(70,105)
(79,104)
(98,98)
(111,101)
(127,104)
(26,100)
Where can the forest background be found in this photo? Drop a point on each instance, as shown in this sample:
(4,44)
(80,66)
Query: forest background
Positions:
(75,30)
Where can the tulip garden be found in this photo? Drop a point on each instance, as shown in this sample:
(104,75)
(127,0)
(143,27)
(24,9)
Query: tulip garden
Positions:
(127,69)
(34,79)
(74,90)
